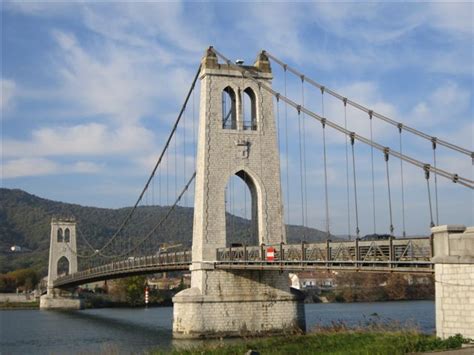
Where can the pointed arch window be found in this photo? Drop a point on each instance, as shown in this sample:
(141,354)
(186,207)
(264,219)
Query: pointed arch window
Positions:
(250,110)
(60,235)
(229,110)
(67,235)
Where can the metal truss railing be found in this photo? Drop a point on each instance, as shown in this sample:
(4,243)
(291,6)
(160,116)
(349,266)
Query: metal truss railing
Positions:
(393,254)
(132,265)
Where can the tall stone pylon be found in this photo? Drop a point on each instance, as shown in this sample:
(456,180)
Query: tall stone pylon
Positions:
(62,252)
(241,141)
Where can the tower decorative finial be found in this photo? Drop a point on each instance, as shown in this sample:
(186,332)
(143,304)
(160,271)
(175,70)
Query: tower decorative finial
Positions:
(262,62)
(210,59)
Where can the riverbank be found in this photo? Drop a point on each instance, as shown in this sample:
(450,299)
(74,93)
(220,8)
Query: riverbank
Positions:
(19,305)
(332,342)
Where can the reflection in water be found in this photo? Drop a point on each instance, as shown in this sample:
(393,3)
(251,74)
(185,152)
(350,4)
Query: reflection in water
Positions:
(126,331)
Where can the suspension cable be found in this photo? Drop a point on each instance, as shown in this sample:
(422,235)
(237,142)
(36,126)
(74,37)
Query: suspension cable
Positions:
(427,178)
(373,176)
(451,176)
(347,174)
(386,156)
(160,158)
(375,114)
(153,230)
(352,137)
(401,179)
(433,141)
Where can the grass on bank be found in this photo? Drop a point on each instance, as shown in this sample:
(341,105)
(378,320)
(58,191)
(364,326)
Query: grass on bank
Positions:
(19,305)
(330,342)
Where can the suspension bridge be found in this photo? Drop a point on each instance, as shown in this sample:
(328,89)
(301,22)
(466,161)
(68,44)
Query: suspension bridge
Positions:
(222,157)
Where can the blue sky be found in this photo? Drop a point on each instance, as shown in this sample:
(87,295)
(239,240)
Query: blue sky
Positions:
(90,91)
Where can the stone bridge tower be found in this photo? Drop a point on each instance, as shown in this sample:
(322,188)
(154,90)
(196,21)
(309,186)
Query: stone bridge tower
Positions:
(242,141)
(62,260)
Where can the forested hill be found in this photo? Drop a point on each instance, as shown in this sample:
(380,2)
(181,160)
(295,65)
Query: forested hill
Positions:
(25,221)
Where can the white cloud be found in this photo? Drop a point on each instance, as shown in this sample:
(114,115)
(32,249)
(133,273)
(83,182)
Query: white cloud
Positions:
(9,90)
(40,166)
(88,139)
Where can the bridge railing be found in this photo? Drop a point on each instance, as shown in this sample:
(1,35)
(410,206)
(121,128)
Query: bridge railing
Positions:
(390,253)
(129,264)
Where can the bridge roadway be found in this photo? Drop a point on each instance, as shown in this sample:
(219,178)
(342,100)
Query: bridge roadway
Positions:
(411,255)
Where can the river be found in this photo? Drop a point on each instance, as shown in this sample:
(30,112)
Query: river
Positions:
(126,330)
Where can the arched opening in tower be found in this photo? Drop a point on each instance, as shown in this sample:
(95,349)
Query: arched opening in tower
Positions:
(63,266)
(241,215)
(249,109)
(229,110)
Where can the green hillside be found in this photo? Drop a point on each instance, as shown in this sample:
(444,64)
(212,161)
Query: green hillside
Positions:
(25,221)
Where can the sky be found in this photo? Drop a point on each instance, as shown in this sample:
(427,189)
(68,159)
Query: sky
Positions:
(90,92)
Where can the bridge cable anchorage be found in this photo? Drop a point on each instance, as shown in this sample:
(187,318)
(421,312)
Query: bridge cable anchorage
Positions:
(451,176)
(400,127)
(288,221)
(427,169)
(433,141)
(352,137)
(160,158)
(365,109)
(386,157)
(372,166)
(347,173)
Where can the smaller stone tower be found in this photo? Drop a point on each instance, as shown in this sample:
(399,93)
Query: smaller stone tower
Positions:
(62,260)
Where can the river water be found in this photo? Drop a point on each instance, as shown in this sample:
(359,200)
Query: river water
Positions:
(126,330)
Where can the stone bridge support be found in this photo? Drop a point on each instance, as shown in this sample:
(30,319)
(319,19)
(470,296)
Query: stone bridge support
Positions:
(240,140)
(62,259)
(454,278)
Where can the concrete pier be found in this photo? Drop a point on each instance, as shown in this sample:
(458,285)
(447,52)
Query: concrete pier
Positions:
(454,278)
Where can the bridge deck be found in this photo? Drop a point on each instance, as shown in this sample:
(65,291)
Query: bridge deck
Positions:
(394,255)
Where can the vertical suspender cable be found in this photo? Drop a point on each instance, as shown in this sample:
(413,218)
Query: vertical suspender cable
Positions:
(325,177)
(426,168)
(386,152)
(373,177)
(287,163)
(176,164)
(304,156)
(167,178)
(301,170)
(184,156)
(433,141)
(355,185)
(278,136)
(400,126)
(323,122)
(347,173)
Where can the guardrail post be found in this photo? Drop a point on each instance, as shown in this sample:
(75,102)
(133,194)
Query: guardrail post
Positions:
(282,251)
(245,253)
(230,253)
(262,252)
